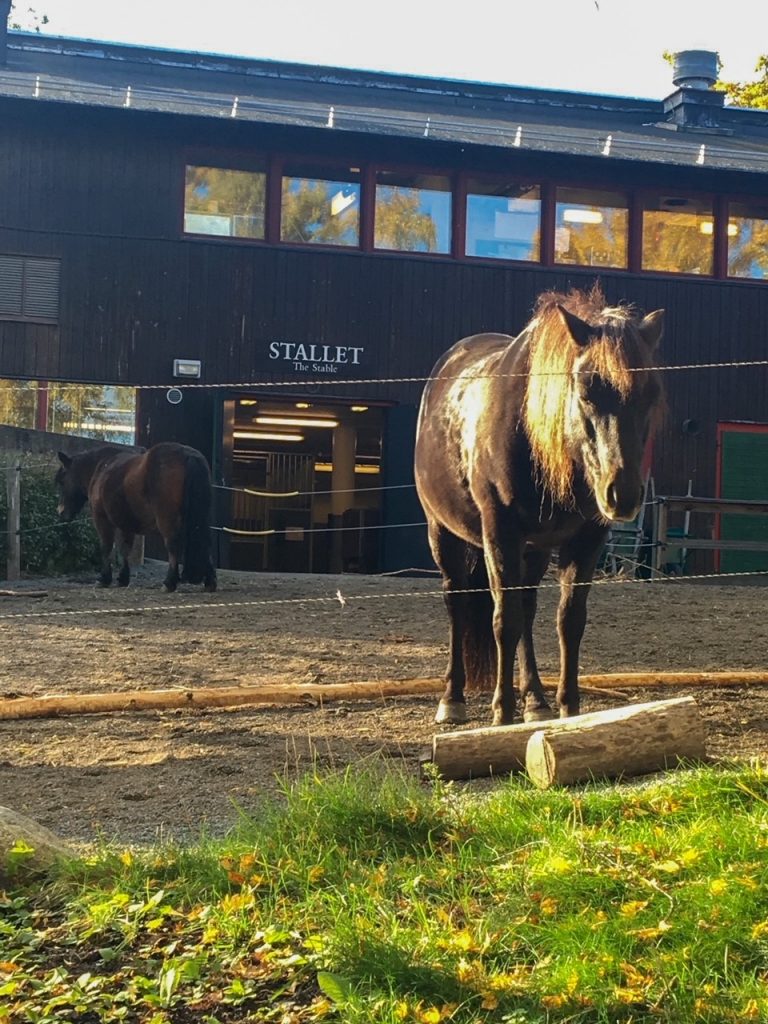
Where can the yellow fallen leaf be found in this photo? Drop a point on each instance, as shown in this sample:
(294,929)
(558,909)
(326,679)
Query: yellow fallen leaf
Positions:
(633,907)
(490,1001)
(669,867)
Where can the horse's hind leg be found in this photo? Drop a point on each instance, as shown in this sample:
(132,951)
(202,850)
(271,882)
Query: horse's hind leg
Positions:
(447,550)
(532,700)
(172,577)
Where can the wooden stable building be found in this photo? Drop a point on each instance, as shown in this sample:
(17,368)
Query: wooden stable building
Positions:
(272,256)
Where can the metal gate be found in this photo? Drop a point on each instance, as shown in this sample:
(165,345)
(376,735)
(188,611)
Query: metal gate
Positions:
(282,540)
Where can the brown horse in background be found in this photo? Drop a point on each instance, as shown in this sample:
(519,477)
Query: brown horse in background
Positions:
(167,488)
(525,445)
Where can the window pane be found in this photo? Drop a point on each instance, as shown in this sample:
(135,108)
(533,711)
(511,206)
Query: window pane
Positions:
(677,234)
(320,209)
(503,220)
(218,201)
(748,239)
(591,227)
(413,212)
(18,403)
(99,411)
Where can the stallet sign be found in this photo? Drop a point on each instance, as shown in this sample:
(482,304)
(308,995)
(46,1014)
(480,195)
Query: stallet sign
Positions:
(315,358)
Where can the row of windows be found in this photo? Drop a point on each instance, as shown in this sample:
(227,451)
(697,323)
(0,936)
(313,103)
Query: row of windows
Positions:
(498,218)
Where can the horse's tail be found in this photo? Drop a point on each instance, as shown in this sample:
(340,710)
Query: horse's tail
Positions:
(196,516)
(478,644)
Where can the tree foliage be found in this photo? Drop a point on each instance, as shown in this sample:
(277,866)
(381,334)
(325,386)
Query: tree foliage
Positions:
(30,19)
(749,94)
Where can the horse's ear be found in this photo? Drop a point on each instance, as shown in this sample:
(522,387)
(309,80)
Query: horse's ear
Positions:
(65,460)
(578,329)
(651,328)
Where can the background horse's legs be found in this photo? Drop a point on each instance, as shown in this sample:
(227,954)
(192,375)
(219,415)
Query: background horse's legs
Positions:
(578,559)
(503,559)
(106,532)
(124,547)
(456,560)
(532,700)
(173,544)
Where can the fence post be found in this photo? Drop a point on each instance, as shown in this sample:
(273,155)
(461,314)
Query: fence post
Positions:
(13,483)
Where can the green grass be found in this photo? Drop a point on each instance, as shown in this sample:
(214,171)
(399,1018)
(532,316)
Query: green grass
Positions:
(369,897)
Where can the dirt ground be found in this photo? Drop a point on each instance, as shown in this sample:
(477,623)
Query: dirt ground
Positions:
(135,777)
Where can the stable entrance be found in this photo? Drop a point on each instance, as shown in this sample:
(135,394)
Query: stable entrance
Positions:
(742,472)
(304,477)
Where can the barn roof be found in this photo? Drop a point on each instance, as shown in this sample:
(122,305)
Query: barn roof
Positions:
(110,75)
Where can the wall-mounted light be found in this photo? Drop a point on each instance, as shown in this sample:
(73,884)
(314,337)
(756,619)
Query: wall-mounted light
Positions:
(582,216)
(294,421)
(247,401)
(359,408)
(303,405)
(263,435)
(187,367)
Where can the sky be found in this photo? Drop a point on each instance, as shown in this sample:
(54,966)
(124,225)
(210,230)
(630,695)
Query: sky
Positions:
(605,46)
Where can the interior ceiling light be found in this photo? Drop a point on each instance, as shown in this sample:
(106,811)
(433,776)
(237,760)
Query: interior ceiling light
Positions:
(263,435)
(294,421)
(247,401)
(359,408)
(706,228)
(327,467)
(583,216)
(303,405)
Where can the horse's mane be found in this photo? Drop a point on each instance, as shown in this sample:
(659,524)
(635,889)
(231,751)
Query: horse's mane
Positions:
(614,352)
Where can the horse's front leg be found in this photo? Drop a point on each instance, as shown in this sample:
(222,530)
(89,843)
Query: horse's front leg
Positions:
(534,703)
(578,559)
(124,547)
(503,551)
(106,532)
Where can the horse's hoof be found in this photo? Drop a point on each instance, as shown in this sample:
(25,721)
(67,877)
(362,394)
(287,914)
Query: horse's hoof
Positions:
(167,589)
(103,585)
(451,712)
(538,715)
(499,718)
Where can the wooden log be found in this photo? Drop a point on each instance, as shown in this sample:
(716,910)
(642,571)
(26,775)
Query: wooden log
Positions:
(266,692)
(23,593)
(627,741)
(498,750)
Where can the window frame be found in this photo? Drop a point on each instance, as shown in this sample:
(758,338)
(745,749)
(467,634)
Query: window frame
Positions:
(273,163)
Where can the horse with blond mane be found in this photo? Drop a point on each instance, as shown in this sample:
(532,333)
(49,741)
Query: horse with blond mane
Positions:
(526,445)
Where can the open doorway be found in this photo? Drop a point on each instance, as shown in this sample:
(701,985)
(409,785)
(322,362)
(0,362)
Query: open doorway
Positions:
(305,478)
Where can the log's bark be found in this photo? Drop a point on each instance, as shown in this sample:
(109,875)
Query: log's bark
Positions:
(627,741)
(498,750)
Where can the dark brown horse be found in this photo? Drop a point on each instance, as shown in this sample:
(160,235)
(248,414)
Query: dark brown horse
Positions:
(525,445)
(167,489)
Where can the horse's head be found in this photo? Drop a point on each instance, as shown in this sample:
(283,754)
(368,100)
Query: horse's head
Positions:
(615,394)
(72,493)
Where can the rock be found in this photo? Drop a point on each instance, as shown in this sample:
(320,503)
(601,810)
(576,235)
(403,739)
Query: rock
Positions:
(26,847)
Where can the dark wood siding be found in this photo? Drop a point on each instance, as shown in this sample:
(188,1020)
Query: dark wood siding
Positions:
(101,190)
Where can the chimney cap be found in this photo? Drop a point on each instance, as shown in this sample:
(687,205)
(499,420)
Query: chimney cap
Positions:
(695,69)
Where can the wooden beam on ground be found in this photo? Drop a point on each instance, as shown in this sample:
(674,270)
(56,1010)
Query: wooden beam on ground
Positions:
(294,693)
(622,742)
(498,750)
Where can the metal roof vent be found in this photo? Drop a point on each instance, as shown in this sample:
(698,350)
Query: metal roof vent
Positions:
(695,69)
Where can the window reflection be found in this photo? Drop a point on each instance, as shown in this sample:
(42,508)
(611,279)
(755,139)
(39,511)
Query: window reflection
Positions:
(748,239)
(677,234)
(413,212)
(319,208)
(219,201)
(503,220)
(591,227)
(98,411)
